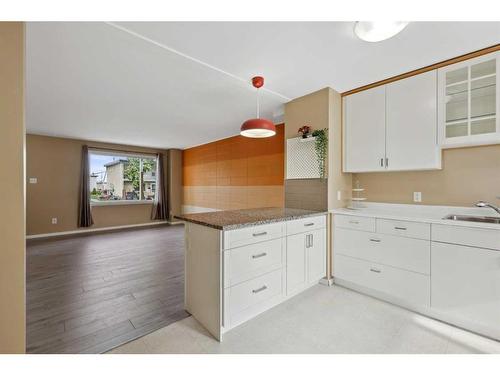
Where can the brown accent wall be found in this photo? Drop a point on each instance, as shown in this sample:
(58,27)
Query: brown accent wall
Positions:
(468,175)
(174,183)
(12,217)
(235,173)
(55,162)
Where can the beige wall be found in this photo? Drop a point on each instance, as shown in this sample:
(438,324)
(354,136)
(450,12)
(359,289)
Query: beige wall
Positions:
(337,180)
(468,175)
(56,162)
(12,218)
(320,110)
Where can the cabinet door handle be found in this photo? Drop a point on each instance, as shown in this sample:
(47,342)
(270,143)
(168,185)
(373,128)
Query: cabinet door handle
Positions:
(386,162)
(374,240)
(261,289)
(259,234)
(400,228)
(312,240)
(259,255)
(381,162)
(308,224)
(375,270)
(307,241)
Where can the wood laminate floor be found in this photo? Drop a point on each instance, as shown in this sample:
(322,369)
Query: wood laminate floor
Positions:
(92,293)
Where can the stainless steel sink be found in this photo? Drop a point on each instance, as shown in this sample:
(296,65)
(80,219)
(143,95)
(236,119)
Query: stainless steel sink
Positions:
(477,219)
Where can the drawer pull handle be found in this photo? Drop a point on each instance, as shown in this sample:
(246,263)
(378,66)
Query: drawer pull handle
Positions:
(400,228)
(375,270)
(374,240)
(261,289)
(259,234)
(308,224)
(353,222)
(259,255)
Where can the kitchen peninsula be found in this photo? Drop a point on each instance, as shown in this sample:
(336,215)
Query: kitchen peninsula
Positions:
(240,263)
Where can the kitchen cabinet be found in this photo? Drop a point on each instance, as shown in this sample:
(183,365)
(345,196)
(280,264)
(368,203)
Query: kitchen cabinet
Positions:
(364,131)
(234,273)
(448,272)
(389,264)
(411,127)
(393,127)
(468,95)
(306,260)
(466,286)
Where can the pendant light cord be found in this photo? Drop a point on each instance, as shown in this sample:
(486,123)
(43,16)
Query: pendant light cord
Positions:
(258,104)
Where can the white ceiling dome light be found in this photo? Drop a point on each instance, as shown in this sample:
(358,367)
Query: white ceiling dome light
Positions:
(378,30)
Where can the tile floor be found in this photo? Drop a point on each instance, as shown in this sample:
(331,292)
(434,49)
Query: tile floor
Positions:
(321,320)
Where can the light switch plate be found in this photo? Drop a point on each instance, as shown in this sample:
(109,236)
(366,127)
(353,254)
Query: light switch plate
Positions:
(33,180)
(54,220)
(417,196)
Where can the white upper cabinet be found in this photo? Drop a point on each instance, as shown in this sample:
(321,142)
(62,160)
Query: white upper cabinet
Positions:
(393,127)
(411,118)
(364,131)
(469,101)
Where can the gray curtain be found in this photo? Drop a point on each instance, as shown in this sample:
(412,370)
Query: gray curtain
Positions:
(160,208)
(84,211)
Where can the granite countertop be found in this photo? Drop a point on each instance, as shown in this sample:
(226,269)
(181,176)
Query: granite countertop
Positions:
(235,219)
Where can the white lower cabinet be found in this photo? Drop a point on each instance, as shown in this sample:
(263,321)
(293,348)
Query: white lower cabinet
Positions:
(448,272)
(295,263)
(466,286)
(316,256)
(306,260)
(409,287)
(262,268)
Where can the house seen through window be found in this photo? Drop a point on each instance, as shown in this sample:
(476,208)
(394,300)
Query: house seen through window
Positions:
(117,177)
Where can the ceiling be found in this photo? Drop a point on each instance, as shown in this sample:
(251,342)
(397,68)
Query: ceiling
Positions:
(179,84)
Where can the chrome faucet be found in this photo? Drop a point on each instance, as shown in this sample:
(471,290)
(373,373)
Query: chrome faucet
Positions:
(486,204)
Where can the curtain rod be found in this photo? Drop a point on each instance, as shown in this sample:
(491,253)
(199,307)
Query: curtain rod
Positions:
(123,151)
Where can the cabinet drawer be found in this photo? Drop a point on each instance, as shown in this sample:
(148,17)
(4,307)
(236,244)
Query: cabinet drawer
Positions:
(404,228)
(254,234)
(305,225)
(414,288)
(247,262)
(253,292)
(401,252)
(355,222)
(476,237)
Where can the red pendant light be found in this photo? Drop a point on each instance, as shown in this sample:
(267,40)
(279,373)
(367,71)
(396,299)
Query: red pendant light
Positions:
(258,127)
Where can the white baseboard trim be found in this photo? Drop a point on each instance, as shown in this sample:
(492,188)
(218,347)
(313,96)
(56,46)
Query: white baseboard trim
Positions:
(56,234)
(325,281)
(176,222)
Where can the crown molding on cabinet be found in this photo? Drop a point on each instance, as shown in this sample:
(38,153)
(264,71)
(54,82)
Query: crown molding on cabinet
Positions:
(438,65)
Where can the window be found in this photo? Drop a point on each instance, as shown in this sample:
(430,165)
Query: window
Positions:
(117,177)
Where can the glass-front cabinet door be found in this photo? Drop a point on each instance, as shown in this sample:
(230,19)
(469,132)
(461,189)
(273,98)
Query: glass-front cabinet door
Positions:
(469,102)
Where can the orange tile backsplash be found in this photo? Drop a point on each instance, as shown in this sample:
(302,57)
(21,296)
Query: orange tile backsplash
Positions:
(235,173)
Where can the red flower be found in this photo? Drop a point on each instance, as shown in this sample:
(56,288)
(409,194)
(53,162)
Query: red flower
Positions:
(305,129)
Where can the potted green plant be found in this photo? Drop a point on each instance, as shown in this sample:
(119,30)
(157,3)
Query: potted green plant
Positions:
(321,148)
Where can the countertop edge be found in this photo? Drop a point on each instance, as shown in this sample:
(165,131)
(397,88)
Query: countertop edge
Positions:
(403,217)
(250,224)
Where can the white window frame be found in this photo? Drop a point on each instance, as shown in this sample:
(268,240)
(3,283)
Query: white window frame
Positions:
(128,155)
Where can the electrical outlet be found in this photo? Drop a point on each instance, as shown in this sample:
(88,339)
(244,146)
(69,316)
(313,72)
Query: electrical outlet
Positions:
(339,195)
(33,180)
(54,220)
(417,196)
